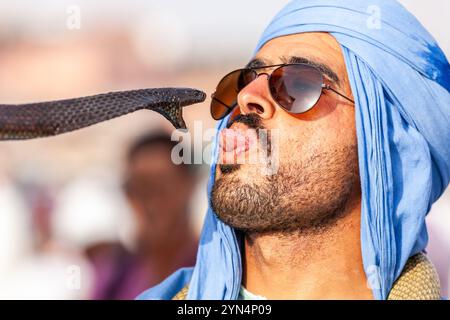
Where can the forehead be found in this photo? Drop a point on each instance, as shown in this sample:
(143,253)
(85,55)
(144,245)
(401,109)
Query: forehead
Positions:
(316,46)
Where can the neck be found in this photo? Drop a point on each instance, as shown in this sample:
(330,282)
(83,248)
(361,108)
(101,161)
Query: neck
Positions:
(164,255)
(323,264)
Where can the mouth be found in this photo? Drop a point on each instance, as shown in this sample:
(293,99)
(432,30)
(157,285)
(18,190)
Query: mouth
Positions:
(235,143)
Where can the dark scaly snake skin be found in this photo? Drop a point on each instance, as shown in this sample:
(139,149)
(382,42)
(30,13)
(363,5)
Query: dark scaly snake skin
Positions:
(27,121)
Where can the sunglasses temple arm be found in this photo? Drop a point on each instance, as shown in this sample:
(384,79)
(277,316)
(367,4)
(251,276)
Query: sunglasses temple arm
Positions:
(225,105)
(328,87)
(229,109)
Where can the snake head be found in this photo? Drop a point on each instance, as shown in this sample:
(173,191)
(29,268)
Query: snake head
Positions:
(170,101)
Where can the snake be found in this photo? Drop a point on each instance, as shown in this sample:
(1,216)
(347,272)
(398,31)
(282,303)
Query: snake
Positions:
(45,119)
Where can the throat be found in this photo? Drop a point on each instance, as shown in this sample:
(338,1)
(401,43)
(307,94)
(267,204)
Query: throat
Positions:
(323,264)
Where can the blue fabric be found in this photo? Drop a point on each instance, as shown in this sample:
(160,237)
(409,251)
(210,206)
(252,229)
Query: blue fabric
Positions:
(400,80)
(169,287)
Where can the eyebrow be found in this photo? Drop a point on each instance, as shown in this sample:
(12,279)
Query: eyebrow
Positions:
(325,69)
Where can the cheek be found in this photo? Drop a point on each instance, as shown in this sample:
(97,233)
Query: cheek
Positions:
(344,126)
(302,137)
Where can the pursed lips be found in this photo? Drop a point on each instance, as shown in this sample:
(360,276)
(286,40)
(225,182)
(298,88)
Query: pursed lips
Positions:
(235,141)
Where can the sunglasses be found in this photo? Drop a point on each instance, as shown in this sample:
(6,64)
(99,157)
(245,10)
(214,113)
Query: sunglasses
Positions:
(295,87)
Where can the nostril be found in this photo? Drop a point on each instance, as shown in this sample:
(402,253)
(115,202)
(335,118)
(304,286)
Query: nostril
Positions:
(255,107)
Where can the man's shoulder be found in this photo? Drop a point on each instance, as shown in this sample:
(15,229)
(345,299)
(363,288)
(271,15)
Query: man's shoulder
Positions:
(167,289)
(418,281)
(182,294)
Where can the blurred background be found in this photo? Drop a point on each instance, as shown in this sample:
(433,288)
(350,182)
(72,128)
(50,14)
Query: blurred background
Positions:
(84,215)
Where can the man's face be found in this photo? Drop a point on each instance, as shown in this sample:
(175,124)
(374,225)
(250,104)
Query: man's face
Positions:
(158,191)
(317,169)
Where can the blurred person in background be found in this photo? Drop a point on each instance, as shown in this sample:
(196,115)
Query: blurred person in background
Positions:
(34,262)
(159,193)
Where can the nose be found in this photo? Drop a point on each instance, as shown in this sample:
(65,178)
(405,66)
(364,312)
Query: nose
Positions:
(255,97)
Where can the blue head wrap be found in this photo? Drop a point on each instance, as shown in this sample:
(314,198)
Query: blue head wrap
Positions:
(400,80)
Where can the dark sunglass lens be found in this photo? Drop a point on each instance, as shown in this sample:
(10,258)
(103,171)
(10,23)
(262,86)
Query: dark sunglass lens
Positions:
(218,109)
(297,88)
(224,99)
(245,77)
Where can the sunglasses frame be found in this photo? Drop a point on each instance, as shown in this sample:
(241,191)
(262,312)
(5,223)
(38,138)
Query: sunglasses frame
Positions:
(278,66)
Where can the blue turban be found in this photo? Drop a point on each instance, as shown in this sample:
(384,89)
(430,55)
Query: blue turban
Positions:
(400,80)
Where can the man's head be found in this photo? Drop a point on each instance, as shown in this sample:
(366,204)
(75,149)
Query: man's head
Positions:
(158,190)
(317,150)
(400,84)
